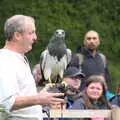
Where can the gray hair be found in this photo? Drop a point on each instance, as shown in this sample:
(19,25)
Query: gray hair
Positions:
(16,23)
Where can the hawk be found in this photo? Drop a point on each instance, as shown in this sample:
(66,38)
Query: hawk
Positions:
(55,58)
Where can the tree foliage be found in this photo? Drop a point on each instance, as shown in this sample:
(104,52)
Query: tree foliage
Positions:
(74,16)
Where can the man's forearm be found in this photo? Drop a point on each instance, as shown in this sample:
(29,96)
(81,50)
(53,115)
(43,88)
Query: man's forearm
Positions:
(22,102)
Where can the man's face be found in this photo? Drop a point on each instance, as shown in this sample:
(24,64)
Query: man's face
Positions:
(28,38)
(91,40)
(75,82)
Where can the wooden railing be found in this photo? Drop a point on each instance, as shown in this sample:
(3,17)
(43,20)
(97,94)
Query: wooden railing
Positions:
(114,114)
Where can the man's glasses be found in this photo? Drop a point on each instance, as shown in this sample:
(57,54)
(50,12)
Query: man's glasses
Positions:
(89,38)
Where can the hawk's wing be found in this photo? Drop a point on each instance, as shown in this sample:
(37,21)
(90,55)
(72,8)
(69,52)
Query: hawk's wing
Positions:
(43,59)
(64,61)
(51,67)
(43,62)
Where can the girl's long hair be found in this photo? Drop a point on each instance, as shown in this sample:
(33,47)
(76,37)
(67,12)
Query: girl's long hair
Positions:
(102,100)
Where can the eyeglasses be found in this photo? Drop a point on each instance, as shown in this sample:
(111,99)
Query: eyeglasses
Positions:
(89,38)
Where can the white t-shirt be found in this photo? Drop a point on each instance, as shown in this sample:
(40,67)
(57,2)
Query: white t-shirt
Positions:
(16,80)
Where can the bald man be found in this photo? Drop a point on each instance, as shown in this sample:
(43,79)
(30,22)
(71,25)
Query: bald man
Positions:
(89,60)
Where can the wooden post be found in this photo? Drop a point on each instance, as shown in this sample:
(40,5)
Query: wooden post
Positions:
(116,114)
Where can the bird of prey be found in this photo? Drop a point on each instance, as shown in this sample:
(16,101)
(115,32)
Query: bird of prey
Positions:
(55,58)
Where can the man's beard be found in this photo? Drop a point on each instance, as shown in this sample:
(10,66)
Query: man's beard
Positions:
(91,48)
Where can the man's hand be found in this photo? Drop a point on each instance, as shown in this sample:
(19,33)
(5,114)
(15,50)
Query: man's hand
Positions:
(46,98)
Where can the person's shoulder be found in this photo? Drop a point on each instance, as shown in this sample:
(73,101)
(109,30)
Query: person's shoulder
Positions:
(114,98)
(79,103)
(103,57)
(4,55)
(110,95)
(80,49)
(101,54)
(79,100)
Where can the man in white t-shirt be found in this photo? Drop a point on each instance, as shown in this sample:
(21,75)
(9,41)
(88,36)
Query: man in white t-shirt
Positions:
(18,94)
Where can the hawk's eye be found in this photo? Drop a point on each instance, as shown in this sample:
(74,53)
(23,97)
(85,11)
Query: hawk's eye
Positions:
(62,32)
(56,32)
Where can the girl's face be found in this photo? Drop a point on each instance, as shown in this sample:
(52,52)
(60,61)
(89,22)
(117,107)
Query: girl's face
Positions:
(94,90)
